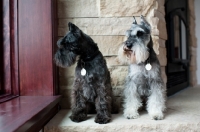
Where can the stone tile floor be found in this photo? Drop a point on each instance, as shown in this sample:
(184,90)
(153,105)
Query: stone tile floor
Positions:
(183,115)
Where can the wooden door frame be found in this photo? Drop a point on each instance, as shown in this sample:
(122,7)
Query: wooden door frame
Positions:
(9,65)
(10,42)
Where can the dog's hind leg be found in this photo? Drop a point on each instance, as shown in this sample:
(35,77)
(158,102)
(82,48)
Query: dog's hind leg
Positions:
(156,101)
(103,106)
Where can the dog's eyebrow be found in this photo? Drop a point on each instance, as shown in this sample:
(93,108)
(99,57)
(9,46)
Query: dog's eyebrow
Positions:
(134,32)
(128,33)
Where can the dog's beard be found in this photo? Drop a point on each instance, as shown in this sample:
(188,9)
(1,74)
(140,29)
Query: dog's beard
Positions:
(126,56)
(141,53)
(64,58)
(137,54)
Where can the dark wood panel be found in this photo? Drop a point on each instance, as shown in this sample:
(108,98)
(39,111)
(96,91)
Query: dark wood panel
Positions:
(35,47)
(1,47)
(6,47)
(14,47)
(27,113)
(9,50)
(55,38)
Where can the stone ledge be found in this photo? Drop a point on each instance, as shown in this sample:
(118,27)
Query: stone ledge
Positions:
(182,116)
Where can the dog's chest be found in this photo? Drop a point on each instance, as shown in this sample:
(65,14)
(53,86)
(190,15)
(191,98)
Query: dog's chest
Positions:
(89,93)
(141,78)
(89,83)
(135,70)
(96,76)
(91,80)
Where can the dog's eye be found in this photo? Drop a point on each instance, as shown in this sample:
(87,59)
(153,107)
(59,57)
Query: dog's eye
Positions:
(140,33)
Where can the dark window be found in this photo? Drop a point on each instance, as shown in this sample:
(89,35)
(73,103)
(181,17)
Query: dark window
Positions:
(177,69)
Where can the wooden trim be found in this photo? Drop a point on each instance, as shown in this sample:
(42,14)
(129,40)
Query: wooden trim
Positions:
(1,47)
(6,48)
(9,64)
(14,48)
(6,97)
(54,45)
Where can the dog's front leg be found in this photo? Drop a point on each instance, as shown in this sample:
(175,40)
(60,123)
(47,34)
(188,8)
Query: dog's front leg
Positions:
(103,106)
(156,101)
(132,100)
(78,104)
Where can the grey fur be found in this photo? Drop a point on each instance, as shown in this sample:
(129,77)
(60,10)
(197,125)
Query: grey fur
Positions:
(93,89)
(141,83)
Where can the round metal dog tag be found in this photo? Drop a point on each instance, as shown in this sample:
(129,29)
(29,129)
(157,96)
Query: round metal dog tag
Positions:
(148,66)
(83,72)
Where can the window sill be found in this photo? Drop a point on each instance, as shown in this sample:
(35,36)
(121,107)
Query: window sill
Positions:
(27,113)
(6,97)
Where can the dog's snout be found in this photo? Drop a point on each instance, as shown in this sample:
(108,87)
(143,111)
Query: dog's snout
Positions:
(128,44)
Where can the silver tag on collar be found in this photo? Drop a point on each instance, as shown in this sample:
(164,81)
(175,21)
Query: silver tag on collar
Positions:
(83,72)
(148,66)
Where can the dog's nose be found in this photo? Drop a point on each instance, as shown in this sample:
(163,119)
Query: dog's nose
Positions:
(128,44)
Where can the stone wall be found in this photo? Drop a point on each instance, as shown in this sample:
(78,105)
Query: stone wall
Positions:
(192,43)
(106,22)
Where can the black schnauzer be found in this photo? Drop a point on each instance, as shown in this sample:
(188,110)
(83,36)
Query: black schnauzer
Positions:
(92,84)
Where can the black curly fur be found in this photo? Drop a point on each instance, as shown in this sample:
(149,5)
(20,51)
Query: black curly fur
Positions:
(95,87)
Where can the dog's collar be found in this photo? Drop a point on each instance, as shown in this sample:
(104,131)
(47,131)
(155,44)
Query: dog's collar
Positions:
(89,58)
(83,70)
(148,62)
(148,59)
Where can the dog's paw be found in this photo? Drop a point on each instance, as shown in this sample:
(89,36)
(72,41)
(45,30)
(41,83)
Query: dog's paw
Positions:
(157,116)
(131,115)
(78,118)
(102,119)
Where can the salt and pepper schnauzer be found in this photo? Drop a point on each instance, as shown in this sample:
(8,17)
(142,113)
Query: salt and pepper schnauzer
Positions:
(92,84)
(144,82)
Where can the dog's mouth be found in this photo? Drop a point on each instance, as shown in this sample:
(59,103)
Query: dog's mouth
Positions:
(130,54)
(126,49)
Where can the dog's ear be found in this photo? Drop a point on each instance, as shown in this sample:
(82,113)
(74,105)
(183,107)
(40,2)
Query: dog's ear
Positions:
(144,23)
(73,27)
(134,21)
(134,24)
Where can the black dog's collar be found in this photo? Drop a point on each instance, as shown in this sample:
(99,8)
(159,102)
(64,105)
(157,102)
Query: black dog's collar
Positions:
(147,61)
(89,58)
(148,65)
(83,70)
